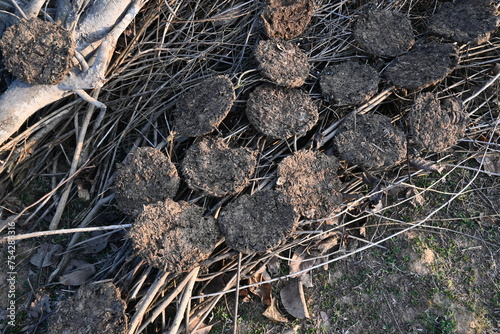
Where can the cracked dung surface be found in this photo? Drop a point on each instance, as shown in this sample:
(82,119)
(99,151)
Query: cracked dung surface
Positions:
(422,66)
(147,177)
(174,236)
(310,179)
(282,62)
(258,222)
(384,33)
(349,83)
(95,308)
(203,107)
(37,52)
(436,124)
(212,166)
(280,112)
(287,19)
(370,141)
(465,21)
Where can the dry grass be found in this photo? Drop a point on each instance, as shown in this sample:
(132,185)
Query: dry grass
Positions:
(173,45)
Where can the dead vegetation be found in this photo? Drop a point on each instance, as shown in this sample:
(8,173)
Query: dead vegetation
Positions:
(63,159)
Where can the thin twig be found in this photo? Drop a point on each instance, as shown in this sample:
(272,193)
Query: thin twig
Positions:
(186,299)
(146,301)
(65,231)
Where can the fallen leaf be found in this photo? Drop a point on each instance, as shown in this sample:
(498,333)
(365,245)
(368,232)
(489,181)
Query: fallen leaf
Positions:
(273,266)
(416,198)
(77,272)
(326,244)
(40,306)
(46,255)
(293,299)
(202,328)
(486,220)
(426,165)
(273,313)
(263,291)
(300,262)
(491,164)
(96,243)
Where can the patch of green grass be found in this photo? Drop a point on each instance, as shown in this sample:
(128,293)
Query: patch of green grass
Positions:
(440,324)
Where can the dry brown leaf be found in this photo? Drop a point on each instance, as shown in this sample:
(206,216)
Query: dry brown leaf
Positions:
(300,262)
(46,255)
(426,165)
(293,299)
(273,313)
(41,305)
(264,290)
(486,220)
(202,328)
(417,198)
(77,273)
(273,266)
(97,243)
(490,163)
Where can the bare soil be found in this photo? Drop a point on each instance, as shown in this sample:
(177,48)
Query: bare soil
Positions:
(465,21)
(436,124)
(370,141)
(203,107)
(287,19)
(310,179)
(349,83)
(211,166)
(280,112)
(424,65)
(147,177)
(384,33)
(259,222)
(95,308)
(37,52)
(173,236)
(282,62)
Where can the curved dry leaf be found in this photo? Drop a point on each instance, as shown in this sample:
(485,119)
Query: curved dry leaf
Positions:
(293,299)
(97,242)
(273,313)
(77,273)
(264,290)
(426,165)
(46,255)
(41,305)
(491,164)
(300,262)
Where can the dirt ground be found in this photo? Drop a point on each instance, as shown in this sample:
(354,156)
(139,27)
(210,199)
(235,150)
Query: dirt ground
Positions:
(440,278)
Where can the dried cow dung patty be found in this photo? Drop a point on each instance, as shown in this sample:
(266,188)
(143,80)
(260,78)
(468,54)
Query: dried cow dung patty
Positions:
(212,166)
(465,21)
(287,19)
(259,222)
(95,308)
(147,177)
(282,62)
(203,107)
(436,124)
(174,236)
(422,66)
(384,33)
(280,112)
(310,179)
(370,141)
(37,52)
(349,83)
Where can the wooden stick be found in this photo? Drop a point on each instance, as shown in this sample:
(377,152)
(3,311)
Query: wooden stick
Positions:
(147,300)
(186,298)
